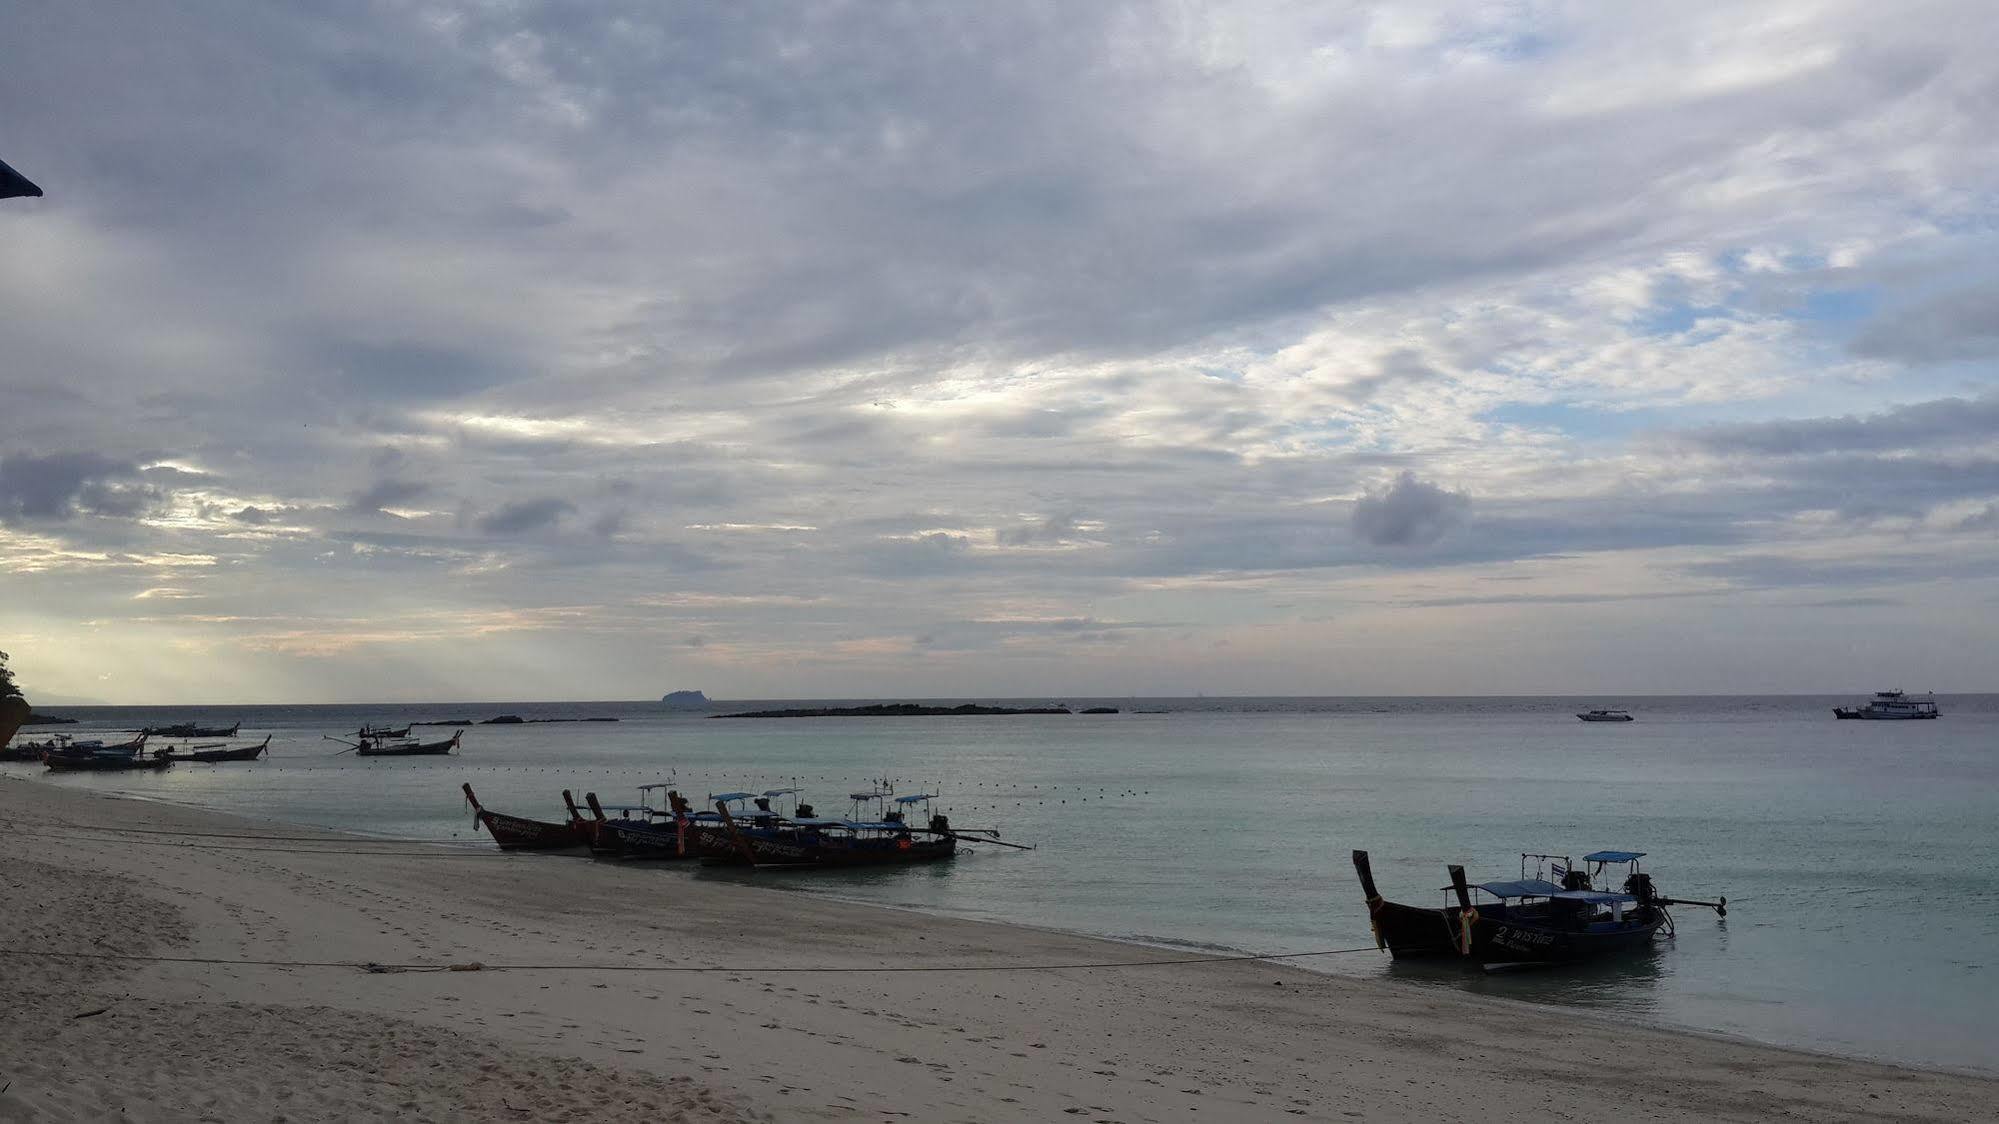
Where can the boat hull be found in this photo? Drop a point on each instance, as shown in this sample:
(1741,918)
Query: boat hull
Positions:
(1865,715)
(774,849)
(1499,938)
(1411,932)
(95,764)
(518,833)
(425,749)
(630,839)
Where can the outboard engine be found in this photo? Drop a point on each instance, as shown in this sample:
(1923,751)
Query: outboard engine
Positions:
(940,823)
(1639,886)
(763,803)
(892,817)
(805,811)
(1576,879)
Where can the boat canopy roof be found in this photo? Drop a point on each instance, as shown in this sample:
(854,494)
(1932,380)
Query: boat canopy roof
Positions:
(773,793)
(1522,888)
(733,796)
(1613,856)
(921,796)
(1594,897)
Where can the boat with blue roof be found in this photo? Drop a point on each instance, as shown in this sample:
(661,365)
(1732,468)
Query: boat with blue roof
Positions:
(1553,913)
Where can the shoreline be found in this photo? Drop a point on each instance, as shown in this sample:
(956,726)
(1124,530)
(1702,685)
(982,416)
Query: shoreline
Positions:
(1244,1040)
(480,845)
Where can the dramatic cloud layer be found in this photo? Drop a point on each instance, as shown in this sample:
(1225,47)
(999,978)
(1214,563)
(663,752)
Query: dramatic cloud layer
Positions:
(391,350)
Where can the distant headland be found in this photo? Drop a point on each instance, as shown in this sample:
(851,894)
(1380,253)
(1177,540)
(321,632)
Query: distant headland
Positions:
(895,710)
(684,698)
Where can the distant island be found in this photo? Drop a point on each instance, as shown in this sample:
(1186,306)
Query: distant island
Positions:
(688,699)
(895,710)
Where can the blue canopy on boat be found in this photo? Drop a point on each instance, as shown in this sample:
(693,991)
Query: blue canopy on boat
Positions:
(1524,888)
(858,825)
(914,799)
(1594,897)
(1613,856)
(814,821)
(773,793)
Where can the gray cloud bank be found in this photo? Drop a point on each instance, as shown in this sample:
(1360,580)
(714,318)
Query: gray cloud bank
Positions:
(815,333)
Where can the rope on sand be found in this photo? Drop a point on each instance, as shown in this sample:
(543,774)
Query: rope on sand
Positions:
(691,969)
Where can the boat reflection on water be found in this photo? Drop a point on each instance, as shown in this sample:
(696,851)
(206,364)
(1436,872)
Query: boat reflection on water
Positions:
(1625,985)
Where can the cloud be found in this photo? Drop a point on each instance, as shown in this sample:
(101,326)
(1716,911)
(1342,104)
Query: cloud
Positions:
(1958,325)
(1923,425)
(388,493)
(1409,512)
(523,516)
(60,485)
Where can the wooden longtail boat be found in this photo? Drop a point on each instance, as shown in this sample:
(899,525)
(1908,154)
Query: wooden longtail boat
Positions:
(1532,919)
(92,756)
(367,733)
(382,747)
(213,756)
(517,833)
(638,832)
(190,730)
(804,841)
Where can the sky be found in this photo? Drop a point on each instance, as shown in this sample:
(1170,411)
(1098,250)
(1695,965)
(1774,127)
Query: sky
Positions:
(509,350)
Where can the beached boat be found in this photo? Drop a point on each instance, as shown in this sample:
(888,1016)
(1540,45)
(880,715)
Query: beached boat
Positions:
(190,730)
(808,841)
(641,831)
(215,755)
(1533,919)
(518,833)
(1605,716)
(1891,706)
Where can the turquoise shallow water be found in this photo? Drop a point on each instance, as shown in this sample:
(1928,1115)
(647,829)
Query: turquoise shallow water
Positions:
(1861,859)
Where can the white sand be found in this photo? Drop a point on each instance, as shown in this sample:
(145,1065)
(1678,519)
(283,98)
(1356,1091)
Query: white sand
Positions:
(185,1041)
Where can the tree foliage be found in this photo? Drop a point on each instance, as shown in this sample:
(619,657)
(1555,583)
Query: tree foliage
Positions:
(7,688)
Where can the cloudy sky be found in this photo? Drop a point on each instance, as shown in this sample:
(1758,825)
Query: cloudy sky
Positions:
(515,350)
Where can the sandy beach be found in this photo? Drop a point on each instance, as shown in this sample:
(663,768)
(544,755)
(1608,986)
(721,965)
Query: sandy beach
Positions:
(215,970)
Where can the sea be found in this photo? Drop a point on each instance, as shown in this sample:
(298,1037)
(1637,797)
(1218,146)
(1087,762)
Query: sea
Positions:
(1860,860)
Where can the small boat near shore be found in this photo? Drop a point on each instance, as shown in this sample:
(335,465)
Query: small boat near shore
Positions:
(1531,920)
(1606,716)
(518,833)
(1891,706)
(95,756)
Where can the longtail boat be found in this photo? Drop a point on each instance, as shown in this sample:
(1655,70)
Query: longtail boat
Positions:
(384,747)
(190,730)
(809,841)
(366,733)
(212,755)
(517,833)
(95,756)
(639,832)
(1533,919)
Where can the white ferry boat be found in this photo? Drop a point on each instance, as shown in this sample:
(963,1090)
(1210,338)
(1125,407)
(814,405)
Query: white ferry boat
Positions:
(1891,706)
